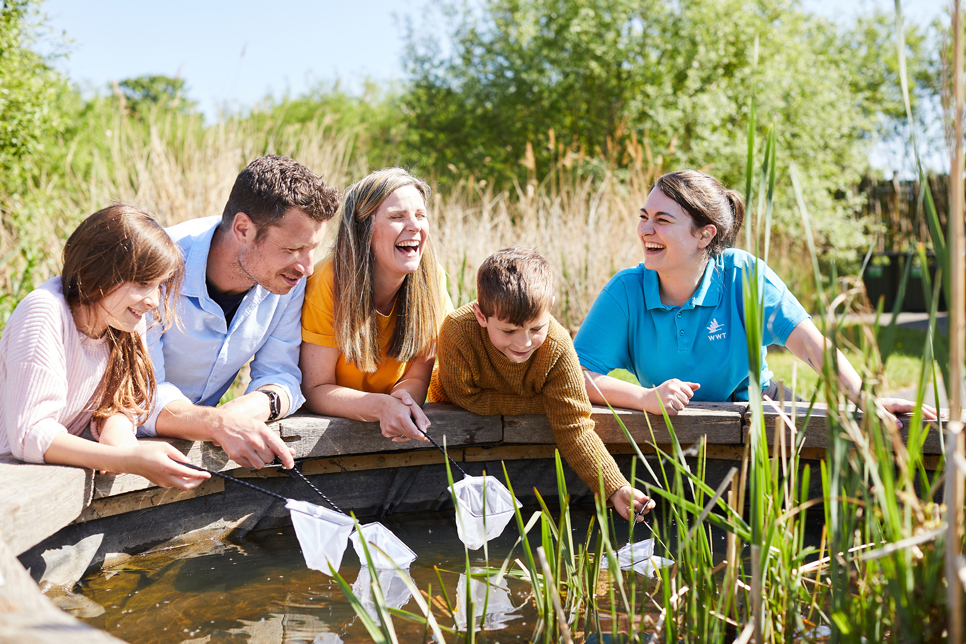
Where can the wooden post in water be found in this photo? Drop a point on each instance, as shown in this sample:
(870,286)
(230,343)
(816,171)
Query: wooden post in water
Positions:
(957,337)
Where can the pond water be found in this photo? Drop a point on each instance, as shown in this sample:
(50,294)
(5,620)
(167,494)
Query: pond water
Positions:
(258,590)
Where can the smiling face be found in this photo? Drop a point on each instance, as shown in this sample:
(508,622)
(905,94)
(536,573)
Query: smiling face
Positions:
(125,306)
(517,343)
(282,255)
(400,229)
(671,242)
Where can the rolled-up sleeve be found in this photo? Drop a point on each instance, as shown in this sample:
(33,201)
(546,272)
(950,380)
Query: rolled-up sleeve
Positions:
(277,361)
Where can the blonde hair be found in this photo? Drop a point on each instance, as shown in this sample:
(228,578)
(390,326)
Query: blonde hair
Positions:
(420,302)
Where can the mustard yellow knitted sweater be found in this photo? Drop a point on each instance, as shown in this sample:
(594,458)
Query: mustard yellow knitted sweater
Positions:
(476,376)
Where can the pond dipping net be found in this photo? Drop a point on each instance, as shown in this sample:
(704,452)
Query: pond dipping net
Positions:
(386,549)
(323,534)
(639,556)
(484,507)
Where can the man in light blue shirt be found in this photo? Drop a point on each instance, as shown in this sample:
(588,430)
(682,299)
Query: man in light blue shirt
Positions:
(241,300)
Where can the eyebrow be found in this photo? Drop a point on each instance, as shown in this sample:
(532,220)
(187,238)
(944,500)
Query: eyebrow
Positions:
(659,212)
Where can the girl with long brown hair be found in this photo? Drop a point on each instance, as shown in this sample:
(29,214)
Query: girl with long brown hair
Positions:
(73,352)
(373,308)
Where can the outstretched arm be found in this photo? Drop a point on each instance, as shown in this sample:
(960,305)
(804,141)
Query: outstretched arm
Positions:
(809,345)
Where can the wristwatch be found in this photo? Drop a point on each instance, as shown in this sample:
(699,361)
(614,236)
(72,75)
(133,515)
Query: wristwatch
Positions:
(274,404)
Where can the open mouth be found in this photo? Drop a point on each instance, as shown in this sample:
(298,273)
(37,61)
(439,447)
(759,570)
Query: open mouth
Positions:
(409,248)
(653,247)
(290,280)
(137,314)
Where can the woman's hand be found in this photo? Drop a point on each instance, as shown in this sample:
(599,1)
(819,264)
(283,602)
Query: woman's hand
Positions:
(674,394)
(402,419)
(621,499)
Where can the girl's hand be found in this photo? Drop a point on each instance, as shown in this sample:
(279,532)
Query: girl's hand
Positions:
(902,406)
(674,394)
(401,417)
(156,461)
(622,501)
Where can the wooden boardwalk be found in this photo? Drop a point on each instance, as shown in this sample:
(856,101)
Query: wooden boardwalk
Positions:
(50,508)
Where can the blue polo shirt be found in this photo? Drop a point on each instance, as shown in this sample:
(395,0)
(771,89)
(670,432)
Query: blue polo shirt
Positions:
(703,341)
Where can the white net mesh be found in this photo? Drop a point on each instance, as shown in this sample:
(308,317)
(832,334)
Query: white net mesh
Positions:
(484,507)
(496,610)
(640,557)
(323,534)
(385,548)
(393,585)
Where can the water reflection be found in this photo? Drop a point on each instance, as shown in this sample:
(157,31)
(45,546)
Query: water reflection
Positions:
(499,609)
(393,584)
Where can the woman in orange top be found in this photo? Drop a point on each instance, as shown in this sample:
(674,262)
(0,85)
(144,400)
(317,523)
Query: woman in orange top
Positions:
(373,309)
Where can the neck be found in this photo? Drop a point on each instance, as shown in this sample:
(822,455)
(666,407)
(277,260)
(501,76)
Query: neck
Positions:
(384,291)
(85,319)
(223,269)
(677,287)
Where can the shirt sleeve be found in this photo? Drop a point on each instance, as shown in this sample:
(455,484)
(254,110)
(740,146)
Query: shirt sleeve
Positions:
(165,393)
(36,381)
(783,312)
(319,310)
(277,361)
(568,410)
(602,343)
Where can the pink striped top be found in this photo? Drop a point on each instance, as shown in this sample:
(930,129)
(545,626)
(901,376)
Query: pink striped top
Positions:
(49,373)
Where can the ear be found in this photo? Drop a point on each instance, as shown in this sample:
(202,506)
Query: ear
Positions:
(479,315)
(706,235)
(243,228)
(553,300)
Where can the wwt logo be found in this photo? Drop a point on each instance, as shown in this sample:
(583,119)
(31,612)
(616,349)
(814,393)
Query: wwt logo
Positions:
(714,331)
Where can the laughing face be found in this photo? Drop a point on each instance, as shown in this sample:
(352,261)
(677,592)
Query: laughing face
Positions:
(283,254)
(671,242)
(125,306)
(399,232)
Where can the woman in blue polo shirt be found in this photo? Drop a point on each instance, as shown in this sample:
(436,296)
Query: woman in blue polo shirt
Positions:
(676,321)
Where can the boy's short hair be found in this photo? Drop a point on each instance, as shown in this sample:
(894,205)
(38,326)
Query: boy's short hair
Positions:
(514,285)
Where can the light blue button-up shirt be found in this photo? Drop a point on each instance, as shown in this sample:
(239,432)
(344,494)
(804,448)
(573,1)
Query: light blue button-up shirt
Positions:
(703,341)
(197,360)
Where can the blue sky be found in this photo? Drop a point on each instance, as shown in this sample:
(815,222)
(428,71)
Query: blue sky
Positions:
(235,53)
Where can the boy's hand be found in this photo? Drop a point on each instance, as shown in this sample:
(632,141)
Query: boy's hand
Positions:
(403,418)
(621,499)
(674,394)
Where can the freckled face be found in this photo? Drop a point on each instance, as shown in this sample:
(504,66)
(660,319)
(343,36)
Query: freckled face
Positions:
(668,235)
(400,229)
(518,343)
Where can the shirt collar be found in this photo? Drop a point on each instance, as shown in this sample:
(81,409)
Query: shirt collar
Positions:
(708,292)
(196,264)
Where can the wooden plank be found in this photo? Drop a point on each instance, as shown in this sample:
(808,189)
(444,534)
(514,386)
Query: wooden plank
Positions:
(39,500)
(150,498)
(359,463)
(314,436)
(816,434)
(720,422)
(28,617)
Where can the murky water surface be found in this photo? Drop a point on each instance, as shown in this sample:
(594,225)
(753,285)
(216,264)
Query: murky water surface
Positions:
(258,590)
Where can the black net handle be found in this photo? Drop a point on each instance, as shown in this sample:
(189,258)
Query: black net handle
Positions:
(234,480)
(295,474)
(439,447)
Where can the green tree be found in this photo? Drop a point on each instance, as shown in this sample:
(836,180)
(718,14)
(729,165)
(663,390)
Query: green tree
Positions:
(151,92)
(591,74)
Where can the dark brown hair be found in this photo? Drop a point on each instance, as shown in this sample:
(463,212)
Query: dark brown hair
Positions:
(514,285)
(421,300)
(118,244)
(270,186)
(707,202)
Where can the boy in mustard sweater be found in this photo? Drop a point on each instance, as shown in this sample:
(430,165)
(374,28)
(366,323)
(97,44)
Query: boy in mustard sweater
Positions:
(505,354)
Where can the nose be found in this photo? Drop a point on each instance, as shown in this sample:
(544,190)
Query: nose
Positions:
(644,227)
(306,263)
(412,224)
(153,297)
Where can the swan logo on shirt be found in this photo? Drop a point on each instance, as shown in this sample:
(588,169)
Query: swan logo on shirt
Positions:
(715,332)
